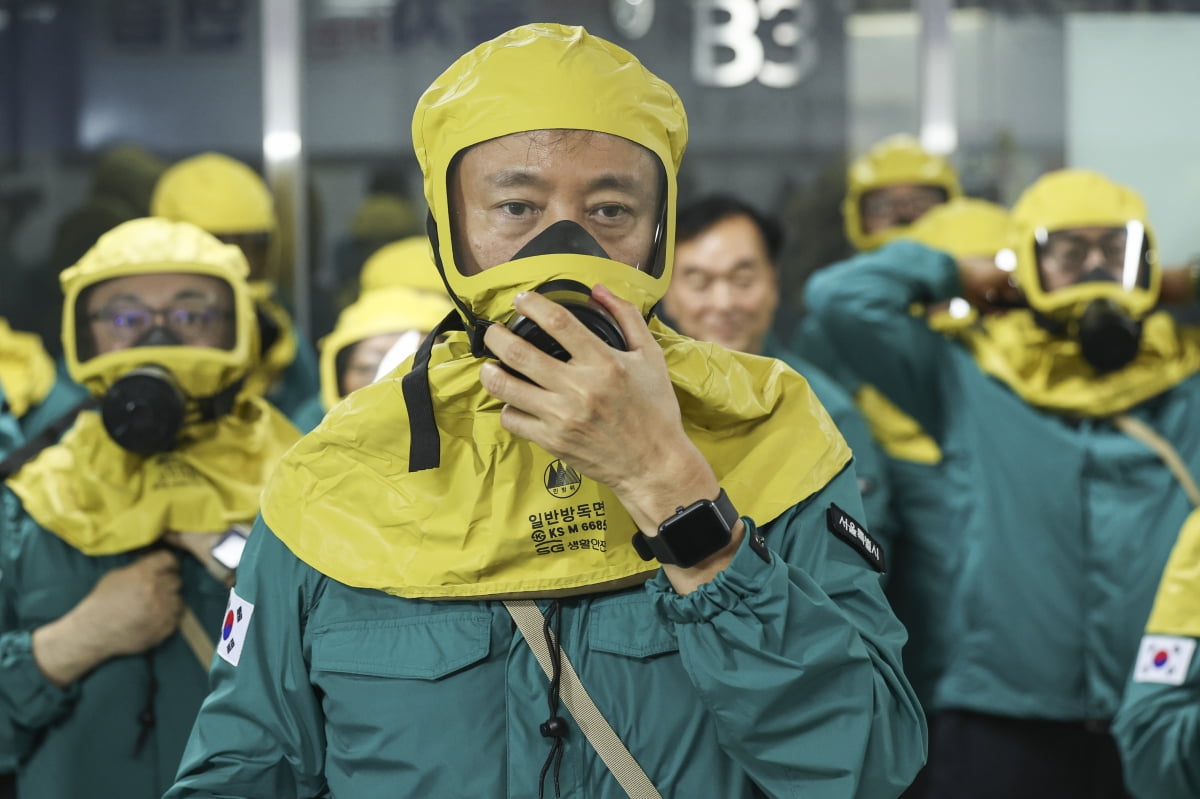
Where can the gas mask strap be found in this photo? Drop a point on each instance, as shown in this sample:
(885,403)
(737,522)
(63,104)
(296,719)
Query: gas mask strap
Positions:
(52,433)
(425,443)
(220,404)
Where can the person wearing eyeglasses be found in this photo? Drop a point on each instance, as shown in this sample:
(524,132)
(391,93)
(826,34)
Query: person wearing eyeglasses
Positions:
(122,539)
(1067,410)
(229,200)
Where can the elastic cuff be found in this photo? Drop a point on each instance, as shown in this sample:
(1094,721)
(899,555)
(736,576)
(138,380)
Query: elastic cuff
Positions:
(26,696)
(747,575)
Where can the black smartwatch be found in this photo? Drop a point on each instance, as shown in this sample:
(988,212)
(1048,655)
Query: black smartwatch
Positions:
(692,534)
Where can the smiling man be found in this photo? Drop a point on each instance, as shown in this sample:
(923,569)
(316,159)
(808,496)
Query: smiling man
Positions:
(725,289)
(460,561)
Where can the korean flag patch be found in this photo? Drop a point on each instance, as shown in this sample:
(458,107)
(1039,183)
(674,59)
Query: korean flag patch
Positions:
(1164,659)
(233,628)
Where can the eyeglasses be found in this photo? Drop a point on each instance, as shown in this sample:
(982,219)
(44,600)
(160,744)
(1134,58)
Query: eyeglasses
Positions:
(889,203)
(189,319)
(1073,251)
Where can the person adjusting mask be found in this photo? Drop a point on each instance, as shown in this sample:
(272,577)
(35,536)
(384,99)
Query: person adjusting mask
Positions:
(1067,459)
(229,200)
(668,542)
(891,186)
(121,539)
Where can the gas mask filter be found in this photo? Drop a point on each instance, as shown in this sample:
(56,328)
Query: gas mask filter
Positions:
(144,410)
(1108,338)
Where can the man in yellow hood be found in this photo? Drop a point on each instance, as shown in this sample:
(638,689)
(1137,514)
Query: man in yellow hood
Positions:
(230,201)
(1070,444)
(116,556)
(669,525)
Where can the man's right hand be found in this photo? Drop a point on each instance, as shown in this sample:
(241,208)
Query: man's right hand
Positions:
(985,285)
(130,610)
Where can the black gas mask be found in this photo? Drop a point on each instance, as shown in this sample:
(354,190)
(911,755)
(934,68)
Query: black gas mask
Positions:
(560,238)
(1109,339)
(144,410)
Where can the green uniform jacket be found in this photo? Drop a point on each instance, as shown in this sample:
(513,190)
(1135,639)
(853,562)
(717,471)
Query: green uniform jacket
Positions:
(298,383)
(1067,526)
(921,534)
(65,395)
(868,460)
(1158,731)
(777,679)
(80,743)
(308,415)
(10,431)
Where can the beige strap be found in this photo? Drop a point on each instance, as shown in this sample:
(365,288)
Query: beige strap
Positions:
(193,632)
(591,721)
(1134,428)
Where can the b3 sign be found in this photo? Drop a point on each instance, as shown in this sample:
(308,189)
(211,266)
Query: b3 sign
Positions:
(731,26)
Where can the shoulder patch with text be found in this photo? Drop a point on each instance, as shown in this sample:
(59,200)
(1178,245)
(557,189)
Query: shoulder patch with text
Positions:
(233,628)
(1164,659)
(846,528)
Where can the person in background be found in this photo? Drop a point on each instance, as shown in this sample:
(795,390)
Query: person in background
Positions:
(388,321)
(445,533)
(928,501)
(1050,419)
(401,298)
(229,200)
(116,556)
(891,186)
(725,289)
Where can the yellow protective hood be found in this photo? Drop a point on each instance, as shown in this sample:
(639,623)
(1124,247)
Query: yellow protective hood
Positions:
(387,310)
(1177,604)
(502,517)
(150,246)
(1076,198)
(384,217)
(103,500)
(895,161)
(1049,372)
(408,262)
(26,370)
(541,77)
(963,227)
(216,193)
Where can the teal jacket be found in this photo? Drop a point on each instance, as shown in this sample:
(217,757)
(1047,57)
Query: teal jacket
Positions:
(83,742)
(11,436)
(298,383)
(868,460)
(777,679)
(308,415)
(1066,526)
(65,395)
(921,533)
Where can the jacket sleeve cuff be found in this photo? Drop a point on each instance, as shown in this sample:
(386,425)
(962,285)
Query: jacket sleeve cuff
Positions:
(27,697)
(749,574)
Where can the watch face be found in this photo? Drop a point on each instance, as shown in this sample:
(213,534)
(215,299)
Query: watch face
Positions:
(696,533)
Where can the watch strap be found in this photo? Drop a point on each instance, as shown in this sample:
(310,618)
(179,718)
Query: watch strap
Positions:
(657,548)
